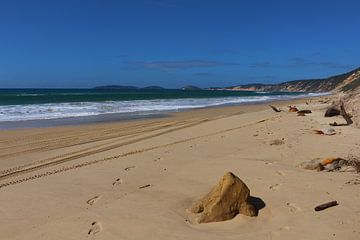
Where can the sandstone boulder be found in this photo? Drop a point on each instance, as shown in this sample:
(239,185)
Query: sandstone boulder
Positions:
(227,199)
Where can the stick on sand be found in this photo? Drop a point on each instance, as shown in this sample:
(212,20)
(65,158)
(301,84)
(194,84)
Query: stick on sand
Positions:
(275,109)
(326,205)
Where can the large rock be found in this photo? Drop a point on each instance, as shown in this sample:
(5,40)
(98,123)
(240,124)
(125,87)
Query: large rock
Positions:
(332,111)
(227,199)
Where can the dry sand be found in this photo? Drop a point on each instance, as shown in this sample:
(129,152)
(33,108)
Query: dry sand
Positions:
(84,182)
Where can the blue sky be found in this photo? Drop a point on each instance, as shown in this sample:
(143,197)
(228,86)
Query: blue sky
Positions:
(171,43)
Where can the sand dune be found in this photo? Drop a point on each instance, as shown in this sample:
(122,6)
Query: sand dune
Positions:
(136,180)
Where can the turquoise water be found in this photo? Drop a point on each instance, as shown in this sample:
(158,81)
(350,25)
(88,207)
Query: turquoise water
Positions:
(34,104)
(39,96)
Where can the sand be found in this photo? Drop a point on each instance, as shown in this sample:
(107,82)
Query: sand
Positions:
(136,180)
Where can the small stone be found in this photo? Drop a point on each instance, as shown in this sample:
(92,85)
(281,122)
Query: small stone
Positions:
(276,142)
(329,131)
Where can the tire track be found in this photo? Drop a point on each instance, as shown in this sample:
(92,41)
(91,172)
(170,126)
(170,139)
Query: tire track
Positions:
(125,136)
(85,154)
(92,162)
(69,142)
(102,129)
(50,138)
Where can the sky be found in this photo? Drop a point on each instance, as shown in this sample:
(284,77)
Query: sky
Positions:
(172,43)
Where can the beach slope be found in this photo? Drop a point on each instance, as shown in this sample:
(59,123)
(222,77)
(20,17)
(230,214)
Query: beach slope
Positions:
(137,180)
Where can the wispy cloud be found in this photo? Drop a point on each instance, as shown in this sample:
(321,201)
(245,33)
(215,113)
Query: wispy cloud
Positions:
(297,62)
(178,65)
(333,65)
(302,62)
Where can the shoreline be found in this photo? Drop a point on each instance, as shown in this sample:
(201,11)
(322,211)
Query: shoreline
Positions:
(113,118)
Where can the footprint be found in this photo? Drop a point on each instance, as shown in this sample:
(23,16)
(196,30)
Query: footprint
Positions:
(275,187)
(293,208)
(95,228)
(279,231)
(128,168)
(117,182)
(284,228)
(93,200)
(281,173)
(158,159)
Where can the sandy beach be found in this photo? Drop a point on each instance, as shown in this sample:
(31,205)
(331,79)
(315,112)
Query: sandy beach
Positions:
(137,179)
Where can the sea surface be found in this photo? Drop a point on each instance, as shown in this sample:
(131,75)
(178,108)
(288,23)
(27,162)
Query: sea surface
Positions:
(20,105)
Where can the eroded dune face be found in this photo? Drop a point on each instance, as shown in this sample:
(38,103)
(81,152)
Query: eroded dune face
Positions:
(227,199)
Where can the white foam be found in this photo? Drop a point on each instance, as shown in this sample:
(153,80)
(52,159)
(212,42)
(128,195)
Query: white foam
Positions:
(81,109)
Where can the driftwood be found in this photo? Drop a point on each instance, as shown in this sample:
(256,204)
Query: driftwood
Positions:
(326,205)
(275,109)
(145,186)
(345,115)
(304,111)
(335,124)
(301,114)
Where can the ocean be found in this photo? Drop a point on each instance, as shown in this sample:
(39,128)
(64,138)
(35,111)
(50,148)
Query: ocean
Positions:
(20,105)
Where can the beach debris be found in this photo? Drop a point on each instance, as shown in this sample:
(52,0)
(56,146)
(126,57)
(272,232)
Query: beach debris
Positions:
(275,109)
(277,142)
(293,109)
(330,160)
(353,162)
(145,186)
(332,164)
(326,131)
(355,181)
(305,111)
(314,164)
(301,114)
(227,199)
(326,205)
(344,114)
(332,111)
(329,131)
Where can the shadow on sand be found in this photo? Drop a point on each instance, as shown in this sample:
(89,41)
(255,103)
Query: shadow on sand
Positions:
(258,203)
